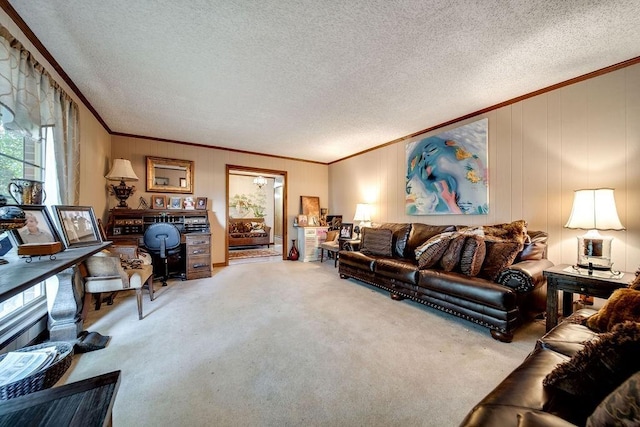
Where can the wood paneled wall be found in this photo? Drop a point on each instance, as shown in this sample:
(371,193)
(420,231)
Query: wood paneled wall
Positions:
(585,135)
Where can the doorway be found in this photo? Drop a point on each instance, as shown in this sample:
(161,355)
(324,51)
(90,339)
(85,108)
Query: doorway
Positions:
(256,206)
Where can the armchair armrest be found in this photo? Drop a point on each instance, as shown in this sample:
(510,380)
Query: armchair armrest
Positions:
(524,276)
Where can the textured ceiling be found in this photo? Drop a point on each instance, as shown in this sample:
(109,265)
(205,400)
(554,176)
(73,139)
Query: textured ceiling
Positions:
(319,80)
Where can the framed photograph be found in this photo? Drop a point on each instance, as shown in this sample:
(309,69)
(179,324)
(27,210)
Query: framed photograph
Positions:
(158,202)
(175,203)
(346,230)
(188,203)
(302,221)
(78,225)
(201,203)
(39,227)
(183,182)
(310,206)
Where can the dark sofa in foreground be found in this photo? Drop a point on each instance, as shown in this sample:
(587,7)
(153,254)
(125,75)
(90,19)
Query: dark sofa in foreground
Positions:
(574,376)
(498,296)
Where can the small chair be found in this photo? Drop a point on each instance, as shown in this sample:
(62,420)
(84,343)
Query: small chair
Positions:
(105,273)
(331,245)
(162,239)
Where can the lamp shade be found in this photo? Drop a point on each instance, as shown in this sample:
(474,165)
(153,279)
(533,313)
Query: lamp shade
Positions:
(363,212)
(594,210)
(121,171)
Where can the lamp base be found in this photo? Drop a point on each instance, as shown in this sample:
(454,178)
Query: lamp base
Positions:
(592,266)
(122,193)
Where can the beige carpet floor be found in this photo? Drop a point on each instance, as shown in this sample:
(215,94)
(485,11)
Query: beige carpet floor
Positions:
(291,344)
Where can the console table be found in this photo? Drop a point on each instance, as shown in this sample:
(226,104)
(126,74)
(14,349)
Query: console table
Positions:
(565,278)
(84,403)
(65,322)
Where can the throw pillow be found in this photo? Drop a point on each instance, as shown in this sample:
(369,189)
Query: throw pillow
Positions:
(622,305)
(499,255)
(451,256)
(516,230)
(257,226)
(600,367)
(621,407)
(332,235)
(472,255)
(376,241)
(429,253)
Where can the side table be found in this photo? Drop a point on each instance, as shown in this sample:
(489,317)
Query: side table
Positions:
(565,278)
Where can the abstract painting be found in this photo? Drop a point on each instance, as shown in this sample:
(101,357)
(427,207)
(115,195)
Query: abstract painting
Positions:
(447,173)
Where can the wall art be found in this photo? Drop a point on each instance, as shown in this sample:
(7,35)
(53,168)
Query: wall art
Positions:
(448,173)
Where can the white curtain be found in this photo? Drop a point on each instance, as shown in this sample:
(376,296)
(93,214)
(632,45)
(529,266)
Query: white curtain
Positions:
(35,99)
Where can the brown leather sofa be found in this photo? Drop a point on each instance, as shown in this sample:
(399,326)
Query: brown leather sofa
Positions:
(248,232)
(521,399)
(499,305)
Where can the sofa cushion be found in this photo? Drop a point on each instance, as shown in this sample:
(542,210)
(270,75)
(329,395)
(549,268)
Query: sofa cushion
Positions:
(621,407)
(376,241)
(535,246)
(429,253)
(420,233)
(472,255)
(451,257)
(622,305)
(598,369)
(356,259)
(397,269)
(499,255)
(400,238)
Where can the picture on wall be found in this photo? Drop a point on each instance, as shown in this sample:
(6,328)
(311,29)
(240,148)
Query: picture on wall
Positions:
(448,173)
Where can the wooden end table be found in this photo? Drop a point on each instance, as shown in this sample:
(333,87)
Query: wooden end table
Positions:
(565,278)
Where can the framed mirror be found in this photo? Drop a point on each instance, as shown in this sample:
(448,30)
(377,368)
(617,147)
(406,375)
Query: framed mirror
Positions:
(169,175)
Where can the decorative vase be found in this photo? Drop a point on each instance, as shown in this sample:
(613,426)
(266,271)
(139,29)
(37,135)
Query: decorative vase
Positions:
(293,253)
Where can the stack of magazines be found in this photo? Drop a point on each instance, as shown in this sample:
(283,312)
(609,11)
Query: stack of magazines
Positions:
(17,365)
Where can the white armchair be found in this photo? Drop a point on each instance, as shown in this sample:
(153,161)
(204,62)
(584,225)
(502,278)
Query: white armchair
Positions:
(105,273)
(331,245)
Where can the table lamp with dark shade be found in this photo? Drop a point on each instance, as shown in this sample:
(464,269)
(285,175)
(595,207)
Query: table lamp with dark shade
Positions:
(123,172)
(594,210)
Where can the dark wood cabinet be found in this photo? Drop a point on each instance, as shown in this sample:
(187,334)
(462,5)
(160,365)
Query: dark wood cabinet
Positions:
(128,226)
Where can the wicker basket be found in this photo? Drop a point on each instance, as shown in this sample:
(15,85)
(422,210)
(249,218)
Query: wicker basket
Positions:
(44,378)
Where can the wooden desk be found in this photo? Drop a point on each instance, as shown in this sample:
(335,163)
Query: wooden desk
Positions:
(563,278)
(17,276)
(83,403)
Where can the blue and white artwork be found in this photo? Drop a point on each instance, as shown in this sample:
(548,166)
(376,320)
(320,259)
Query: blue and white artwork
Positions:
(447,173)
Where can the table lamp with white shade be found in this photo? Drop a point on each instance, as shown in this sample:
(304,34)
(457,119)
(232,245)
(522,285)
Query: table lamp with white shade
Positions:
(594,210)
(122,171)
(363,214)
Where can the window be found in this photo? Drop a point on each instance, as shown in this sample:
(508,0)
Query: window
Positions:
(22,156)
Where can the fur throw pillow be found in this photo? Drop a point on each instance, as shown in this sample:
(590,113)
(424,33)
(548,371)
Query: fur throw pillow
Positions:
(500,254)
(601,366)
(622,305)
(513,231)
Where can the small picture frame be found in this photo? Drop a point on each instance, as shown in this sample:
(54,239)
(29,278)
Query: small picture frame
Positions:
(78,225)
(175,202)
(346,230)
(39,227)
(302,221)
(201,203)
(158,202)
(183,182)
(188,203)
